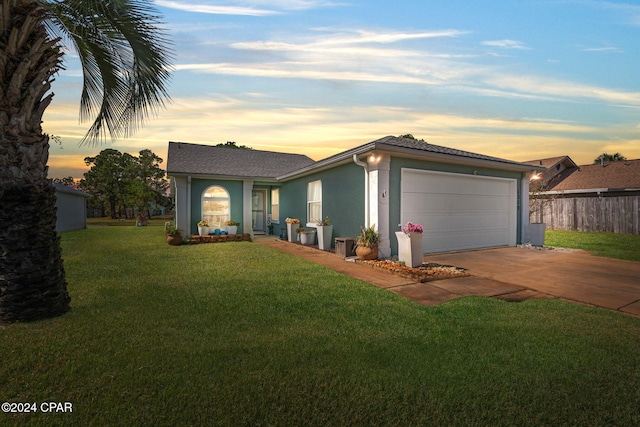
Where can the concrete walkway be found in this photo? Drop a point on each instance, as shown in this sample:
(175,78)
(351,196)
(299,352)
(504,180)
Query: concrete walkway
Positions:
(510,274)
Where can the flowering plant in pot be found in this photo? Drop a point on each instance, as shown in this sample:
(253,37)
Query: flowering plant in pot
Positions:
(232,227)
(292,226)
(412,228)
(367,243)
(203,228)
(410,244)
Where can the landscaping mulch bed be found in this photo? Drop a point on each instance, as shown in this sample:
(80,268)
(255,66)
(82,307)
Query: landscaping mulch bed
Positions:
(195,239)
(427,272)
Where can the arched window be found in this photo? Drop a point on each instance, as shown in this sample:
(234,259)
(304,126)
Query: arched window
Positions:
(215,206)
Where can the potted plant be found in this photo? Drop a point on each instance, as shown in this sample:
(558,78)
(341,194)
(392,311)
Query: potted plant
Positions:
(203,228)
(174,237)
(410,244)
(325,231)
(367,243)
(307,237)
(292,226)
(232,227)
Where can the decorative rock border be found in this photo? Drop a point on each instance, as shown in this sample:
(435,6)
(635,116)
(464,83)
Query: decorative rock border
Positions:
(427,272)
(196,239)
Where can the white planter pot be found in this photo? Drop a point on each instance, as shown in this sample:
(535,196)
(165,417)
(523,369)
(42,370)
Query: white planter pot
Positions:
(536,233)
(308,238)
(203,231)
(232,229)
(324,236)
(410,248)
(292,233)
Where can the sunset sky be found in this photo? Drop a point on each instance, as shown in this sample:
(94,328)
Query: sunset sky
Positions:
(519,80)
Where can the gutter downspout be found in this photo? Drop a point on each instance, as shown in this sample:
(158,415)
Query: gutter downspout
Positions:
(365,166)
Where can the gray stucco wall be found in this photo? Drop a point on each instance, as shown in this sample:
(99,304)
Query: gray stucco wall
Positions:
(342,199)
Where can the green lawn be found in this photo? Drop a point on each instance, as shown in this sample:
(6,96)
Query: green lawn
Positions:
(237,334)
(611,245)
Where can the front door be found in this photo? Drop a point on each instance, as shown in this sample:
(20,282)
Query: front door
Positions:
(259,211)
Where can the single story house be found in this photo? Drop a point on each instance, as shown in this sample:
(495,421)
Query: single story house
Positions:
(71,208)
(463,200)
(603,196)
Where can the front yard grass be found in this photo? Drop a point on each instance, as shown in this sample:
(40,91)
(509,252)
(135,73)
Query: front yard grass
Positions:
(611,245)
(239,334)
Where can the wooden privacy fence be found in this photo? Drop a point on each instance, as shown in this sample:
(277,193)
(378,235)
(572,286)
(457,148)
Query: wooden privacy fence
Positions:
(615,214)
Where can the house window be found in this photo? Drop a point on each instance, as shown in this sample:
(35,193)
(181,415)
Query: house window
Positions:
(314,201)
(215,206)
(275,205)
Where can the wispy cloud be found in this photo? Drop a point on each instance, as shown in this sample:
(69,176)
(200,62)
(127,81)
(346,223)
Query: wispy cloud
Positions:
(563,90)
(631,12)
(505,44)
(389,57)
(356,55)
(215,10)
(257,8)
(603,49)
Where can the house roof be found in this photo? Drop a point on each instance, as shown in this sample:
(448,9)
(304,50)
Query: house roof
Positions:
(66,189)
(552,162)
(422,146)
(620,175)
(196,159)
(415,148)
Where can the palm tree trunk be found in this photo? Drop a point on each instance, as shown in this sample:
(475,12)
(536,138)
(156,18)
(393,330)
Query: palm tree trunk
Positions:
(32,278)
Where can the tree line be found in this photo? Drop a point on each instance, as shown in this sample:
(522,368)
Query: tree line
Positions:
(123,185)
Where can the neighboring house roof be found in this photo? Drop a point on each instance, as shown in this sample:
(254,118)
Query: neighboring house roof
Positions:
(196,159)
(66,189)
(557,168)
(620,175)
(551,162)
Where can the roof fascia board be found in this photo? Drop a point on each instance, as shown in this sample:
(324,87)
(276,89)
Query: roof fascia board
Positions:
(330,162)
(222,177)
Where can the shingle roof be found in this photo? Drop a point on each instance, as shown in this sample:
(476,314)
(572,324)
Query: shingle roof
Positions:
(414,147)
(613,175)
(413,144)
(196,159)
(550,162)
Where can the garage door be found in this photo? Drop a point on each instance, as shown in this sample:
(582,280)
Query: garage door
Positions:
(459,211)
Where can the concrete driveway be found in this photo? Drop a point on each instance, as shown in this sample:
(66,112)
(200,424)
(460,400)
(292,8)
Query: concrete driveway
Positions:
(570,274)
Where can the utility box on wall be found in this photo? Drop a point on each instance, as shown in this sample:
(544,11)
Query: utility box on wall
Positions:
(345,246)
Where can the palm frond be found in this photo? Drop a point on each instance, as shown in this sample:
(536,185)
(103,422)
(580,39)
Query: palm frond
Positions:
(125,58)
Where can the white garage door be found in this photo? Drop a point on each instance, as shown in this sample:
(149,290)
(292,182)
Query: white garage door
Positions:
(459,211)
